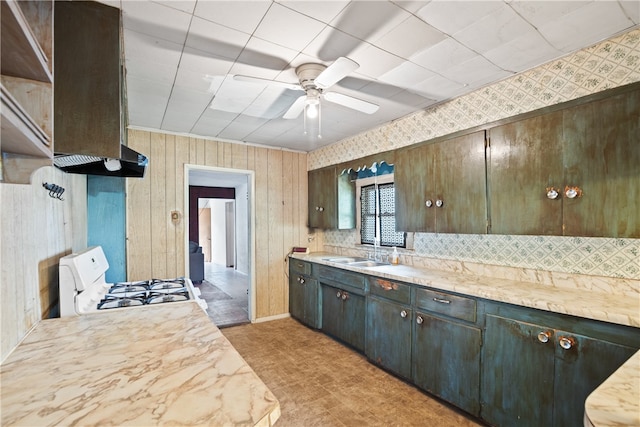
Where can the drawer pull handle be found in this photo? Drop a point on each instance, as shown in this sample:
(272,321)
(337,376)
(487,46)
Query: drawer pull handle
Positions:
(441,301)
(387,286)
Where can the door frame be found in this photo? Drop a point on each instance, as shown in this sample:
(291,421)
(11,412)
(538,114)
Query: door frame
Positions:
(251,184)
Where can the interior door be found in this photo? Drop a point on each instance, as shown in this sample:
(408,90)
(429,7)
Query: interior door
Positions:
(204,232)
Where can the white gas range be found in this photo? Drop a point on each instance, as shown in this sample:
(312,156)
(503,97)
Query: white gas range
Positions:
(83,288)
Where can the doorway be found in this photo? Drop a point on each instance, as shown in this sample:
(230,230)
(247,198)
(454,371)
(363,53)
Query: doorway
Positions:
(220,208)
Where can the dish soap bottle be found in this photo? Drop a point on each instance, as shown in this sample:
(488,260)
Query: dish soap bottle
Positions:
(395,257)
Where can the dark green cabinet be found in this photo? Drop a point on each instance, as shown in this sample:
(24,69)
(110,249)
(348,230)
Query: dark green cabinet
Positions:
(388,342)
(304,298)
(322,200)
(592,147)
(446,349)
(441,187)
(535,375)
(343,314)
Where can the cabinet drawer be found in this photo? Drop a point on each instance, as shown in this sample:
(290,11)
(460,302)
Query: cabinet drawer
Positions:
(391,290)
(300,267)
(450,305)
(341,276)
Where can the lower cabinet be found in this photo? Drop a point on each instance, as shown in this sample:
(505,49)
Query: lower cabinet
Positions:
(535,375)
(343,313)
(388,342)
(446,361)
(304,298)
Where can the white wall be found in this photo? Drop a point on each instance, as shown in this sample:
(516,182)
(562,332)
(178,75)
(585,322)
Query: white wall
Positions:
(218,231)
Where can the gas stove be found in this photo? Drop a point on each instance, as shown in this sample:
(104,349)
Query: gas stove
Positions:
(83,288)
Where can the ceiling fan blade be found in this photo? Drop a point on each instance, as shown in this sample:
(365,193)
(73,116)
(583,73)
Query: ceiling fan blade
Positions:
(351,102)
(335,72)
(258,80)
(296,108)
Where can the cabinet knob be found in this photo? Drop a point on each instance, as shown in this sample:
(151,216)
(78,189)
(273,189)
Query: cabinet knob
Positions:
(439,203)
(302,280)
(428,203)
(345,296)
(572,192)
(544,336)
(321,209)
(403,313)
(338,294)
(419,320)
(552,193)
(567,342)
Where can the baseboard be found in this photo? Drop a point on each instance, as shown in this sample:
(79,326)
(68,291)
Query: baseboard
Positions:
(270,318)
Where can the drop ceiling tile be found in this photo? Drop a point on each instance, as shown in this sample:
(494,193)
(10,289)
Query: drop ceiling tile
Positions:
(632,9)
(453,16)
(381,17)
(240,128)
(374,61)
(523,53)
(216,39)
(183,5)
(586,25)
(271,103)
(156,20)
(323,11)
(476,72)
(444,55)
(331,44)
(184,108)
(147,100)
(409,37)
(211,123)
(438,88)
(540,13)
(199,70)
(240,15)
(280,23)
(406,74)
(263,59)
(500,26)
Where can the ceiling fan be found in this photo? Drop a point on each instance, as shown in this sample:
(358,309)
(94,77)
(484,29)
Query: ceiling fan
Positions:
(313,80)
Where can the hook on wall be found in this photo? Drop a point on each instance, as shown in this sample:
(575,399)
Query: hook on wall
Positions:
(55,191)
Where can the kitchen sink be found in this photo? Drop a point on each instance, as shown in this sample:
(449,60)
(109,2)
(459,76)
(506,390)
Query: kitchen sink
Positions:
(346,259)
(368,263)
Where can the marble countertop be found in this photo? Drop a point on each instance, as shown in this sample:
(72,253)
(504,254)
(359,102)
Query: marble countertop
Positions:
(616,402)
(154,365)
(604,306)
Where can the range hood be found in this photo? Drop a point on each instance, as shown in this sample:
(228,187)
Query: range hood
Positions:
(89,92)
(131,164)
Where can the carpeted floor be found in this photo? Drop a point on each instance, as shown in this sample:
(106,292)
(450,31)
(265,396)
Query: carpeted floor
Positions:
(320,382)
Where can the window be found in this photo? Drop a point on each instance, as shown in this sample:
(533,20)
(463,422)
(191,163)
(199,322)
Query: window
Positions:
(377,215)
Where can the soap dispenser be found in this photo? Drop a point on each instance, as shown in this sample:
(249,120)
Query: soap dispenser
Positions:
(395,257)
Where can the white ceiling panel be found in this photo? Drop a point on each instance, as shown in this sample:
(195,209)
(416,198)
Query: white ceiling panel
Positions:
(411,54)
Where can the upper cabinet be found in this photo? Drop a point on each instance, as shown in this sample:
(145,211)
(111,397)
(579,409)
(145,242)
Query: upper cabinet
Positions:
(323,198)
(441,187)
(572,172)
(26,90)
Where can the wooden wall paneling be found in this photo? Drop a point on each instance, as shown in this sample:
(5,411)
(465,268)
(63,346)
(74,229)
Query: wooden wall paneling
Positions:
(224,154)
(159,212)
(289,197)
(139,213)
(261,166)
(201,157)
(239,156)
(275,214)
(181,158)
(12,269)
(173,246)
(211,153)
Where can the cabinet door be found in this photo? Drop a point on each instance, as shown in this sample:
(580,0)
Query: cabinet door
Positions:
(414,185)
(524,158)
(343,315)
(517,374)
(446,361)
(296,296)
(322,200)
(311,302)
(579,370)
(461,185)
(602,157)
(388,341)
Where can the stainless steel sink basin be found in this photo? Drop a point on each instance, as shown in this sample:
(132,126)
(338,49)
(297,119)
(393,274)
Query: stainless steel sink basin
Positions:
(346,259)
(368,263)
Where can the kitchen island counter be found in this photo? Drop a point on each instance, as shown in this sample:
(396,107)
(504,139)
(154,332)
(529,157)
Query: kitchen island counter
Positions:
(154,365)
